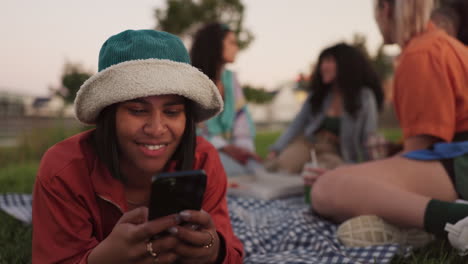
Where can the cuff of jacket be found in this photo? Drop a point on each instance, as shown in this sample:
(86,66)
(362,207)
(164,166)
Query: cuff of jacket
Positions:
(231,255)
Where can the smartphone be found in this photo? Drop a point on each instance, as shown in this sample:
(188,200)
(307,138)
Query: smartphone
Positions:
(174,192)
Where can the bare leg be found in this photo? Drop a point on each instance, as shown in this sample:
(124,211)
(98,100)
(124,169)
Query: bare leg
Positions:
(396,189)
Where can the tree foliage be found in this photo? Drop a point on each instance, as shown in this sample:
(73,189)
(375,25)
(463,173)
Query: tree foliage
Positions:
(257,95)
(184,17)
(73,77)
(360,42)
(382,62)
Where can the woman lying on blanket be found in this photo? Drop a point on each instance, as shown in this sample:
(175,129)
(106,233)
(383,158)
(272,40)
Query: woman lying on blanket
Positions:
(417,188)
(337,118)
(92,191)
(232,132)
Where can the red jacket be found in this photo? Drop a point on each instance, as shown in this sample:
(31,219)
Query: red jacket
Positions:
(76,202)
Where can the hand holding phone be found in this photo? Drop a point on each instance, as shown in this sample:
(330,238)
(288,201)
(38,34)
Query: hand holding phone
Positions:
(174,192)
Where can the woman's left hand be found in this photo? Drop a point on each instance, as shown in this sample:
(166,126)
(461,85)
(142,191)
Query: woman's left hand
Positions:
(200,241)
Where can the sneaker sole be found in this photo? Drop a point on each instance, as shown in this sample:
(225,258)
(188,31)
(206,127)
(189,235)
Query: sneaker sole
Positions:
(371,230)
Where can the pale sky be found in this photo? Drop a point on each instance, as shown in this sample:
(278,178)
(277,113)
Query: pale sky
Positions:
(38,37)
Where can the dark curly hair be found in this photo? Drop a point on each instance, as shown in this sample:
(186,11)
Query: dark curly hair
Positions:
(207,49)
(353,73)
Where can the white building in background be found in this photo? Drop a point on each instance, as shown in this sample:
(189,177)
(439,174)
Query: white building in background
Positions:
(12,104)
(284,107)
(53,106)
(16,105)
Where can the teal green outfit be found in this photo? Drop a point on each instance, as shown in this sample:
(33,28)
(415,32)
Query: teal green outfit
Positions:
(223,124)
(234,125)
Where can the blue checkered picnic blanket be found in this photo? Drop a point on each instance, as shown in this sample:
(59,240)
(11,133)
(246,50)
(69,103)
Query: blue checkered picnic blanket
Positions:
(286,231)
(281,231)
(17,205)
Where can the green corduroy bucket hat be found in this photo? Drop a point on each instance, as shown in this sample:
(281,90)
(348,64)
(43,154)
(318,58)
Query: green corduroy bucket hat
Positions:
(141,63)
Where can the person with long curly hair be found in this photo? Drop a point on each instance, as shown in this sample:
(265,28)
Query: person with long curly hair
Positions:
(338,116)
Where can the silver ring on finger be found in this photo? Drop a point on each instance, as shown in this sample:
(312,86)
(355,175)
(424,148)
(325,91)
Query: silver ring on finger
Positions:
(209,244)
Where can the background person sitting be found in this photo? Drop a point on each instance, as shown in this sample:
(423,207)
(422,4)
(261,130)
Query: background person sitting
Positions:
(338,116)
(393,200)
(232,132)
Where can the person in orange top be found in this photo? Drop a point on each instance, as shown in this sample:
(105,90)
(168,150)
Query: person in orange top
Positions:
(393,200)
(442,67)
(91,195)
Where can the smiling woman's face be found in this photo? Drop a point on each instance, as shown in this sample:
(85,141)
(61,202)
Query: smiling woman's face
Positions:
(149,130)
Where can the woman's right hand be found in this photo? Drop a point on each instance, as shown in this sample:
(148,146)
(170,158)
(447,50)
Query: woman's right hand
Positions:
(310,174)
(127,243)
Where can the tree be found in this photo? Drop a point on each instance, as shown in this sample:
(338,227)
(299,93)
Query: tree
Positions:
(184,17)
(381,62)
(73,77)
(257,95)
(360,42)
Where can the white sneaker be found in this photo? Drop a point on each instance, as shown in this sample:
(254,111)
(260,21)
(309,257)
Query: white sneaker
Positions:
(458,236)
(371,230)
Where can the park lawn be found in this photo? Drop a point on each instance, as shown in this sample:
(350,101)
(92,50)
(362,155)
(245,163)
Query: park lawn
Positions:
(15,237)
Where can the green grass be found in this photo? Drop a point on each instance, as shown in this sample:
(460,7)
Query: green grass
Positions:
(264,140)
(18,177)
(15,241)
(437,252)
(15,238)
(392,134)
(18,168)
(33,144)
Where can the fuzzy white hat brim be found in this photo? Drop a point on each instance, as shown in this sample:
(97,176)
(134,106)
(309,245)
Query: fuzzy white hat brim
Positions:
(141,78)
